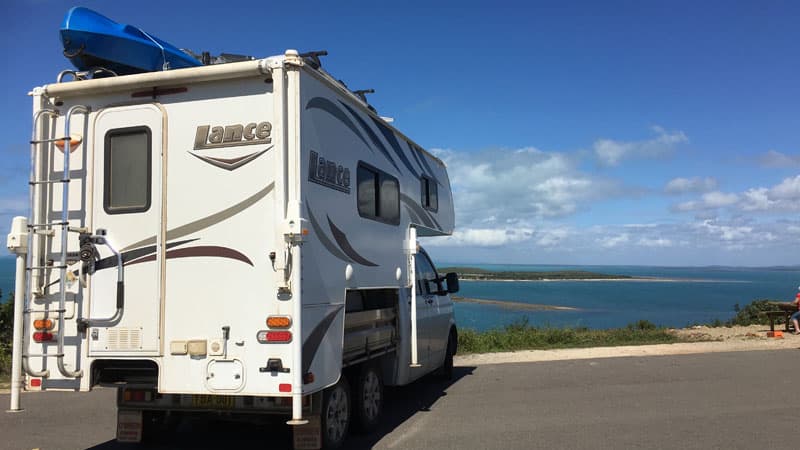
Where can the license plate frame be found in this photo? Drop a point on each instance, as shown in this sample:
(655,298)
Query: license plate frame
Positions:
(205,401)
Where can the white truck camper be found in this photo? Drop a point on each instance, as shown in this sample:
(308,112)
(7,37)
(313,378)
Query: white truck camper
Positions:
(234,239)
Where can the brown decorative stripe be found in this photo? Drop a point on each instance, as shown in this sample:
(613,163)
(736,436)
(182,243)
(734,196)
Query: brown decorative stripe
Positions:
(199,251)
(231,163)
(348,249)
(312,343)
(208,221)
(323,238)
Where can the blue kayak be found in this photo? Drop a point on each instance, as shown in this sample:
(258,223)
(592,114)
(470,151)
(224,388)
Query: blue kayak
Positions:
(93,40)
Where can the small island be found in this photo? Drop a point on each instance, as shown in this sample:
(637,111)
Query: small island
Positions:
(475,274)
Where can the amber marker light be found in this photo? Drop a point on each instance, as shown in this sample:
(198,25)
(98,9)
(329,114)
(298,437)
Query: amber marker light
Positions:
(74,142)
(279,321)
(43,324)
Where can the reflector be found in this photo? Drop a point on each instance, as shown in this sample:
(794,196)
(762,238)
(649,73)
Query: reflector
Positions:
(285,387)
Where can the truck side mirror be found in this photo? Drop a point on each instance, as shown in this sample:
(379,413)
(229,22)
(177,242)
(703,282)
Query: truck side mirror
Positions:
(452,282)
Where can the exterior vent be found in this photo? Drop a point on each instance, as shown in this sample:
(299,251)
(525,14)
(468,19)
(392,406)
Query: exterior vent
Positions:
(124,339)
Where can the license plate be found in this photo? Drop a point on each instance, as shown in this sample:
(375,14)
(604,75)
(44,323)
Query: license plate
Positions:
(213,401)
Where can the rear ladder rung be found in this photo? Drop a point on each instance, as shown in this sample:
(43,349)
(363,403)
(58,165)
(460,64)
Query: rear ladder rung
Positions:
(66,180)
(46,267)
(50,224)
(44,141)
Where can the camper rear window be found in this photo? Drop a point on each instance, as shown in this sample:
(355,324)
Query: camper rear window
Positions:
(378,195)
(128,159)
(430,194)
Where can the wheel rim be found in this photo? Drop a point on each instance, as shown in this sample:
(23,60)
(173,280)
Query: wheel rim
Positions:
(337,414)
(371,395)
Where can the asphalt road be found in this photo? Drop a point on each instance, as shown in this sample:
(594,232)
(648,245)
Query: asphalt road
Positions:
(741,400)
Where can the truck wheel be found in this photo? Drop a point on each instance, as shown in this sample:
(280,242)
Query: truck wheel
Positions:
(335,414)
(369,398)
(446,371)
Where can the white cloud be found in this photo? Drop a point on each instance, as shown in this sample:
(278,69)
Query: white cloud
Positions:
(788,189)
(756,199)
(483,237)
(686,185)
(551,238)
(611,152)
(710,200)
(613,241)
(520,187)
(655,242)
(779,160)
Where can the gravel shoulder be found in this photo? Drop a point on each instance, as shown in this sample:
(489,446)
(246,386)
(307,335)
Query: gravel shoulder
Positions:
(703,340)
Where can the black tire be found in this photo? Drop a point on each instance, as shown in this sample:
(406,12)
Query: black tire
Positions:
(368,397)
(446,371)
(336,413)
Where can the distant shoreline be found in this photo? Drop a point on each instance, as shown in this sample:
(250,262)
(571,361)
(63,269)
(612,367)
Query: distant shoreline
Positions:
(632,279)
(513,305)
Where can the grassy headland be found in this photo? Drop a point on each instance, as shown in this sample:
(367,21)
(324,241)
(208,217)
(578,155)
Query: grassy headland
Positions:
(472,273)
(522,336)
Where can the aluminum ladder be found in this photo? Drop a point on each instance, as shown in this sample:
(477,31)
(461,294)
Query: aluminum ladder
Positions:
(39,224)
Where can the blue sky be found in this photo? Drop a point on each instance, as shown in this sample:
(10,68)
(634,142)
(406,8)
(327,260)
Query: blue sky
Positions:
(613,132)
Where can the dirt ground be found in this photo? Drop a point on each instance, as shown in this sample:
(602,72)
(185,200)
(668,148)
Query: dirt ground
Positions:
(704,340)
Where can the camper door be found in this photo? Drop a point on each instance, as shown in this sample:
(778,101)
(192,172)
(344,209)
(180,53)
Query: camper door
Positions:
(127,205)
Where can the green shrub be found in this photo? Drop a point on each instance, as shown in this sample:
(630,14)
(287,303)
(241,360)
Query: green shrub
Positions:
(752,313)
(6,333)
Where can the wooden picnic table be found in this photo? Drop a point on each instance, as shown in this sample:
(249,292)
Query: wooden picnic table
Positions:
(785,311)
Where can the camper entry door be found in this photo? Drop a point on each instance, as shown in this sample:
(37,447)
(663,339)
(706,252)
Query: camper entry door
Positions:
(127,205)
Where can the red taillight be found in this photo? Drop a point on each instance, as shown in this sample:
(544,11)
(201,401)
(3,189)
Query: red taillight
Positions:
(285,387)
(136,395)
(42,336)
(264,336)
(279,336)
(36,382)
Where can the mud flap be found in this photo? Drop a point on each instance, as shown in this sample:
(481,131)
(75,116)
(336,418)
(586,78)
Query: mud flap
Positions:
(308,436)
(129,426)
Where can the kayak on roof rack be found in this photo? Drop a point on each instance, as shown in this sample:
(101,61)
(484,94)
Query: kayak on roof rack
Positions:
(92,40)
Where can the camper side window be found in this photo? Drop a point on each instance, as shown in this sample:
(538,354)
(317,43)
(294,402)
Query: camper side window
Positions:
(127,171)
(378,195)
(430,194)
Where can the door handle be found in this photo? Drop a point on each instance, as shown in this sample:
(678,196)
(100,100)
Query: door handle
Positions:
(429,301)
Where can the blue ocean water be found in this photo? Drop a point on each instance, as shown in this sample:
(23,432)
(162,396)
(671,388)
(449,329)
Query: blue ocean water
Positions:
(694,295)
(679,297)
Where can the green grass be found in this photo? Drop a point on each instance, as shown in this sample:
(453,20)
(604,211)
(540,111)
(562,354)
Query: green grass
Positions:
(521,336)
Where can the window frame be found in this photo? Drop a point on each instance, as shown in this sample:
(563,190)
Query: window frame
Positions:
(380,176)
(426,183)
(436,279)
(107,170)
